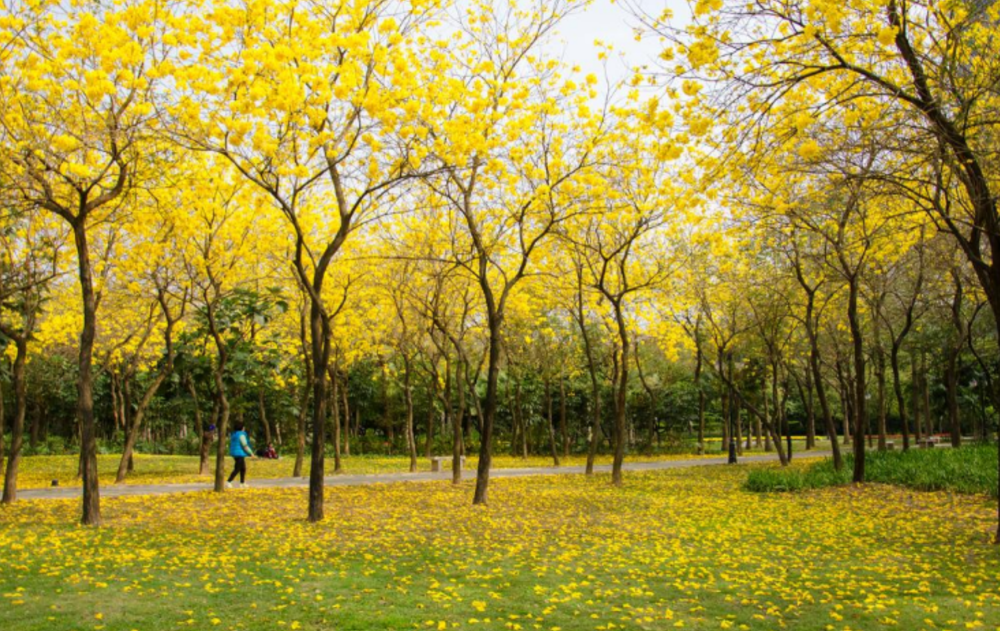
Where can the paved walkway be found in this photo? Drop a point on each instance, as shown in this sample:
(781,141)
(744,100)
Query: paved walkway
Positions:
(67,492)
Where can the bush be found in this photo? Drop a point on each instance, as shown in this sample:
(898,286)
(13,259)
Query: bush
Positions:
(971,469)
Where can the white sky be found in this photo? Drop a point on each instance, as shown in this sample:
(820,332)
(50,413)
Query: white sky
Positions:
(612,24)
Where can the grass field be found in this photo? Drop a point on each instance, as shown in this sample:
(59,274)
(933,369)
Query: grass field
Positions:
(672,549)
(971,469)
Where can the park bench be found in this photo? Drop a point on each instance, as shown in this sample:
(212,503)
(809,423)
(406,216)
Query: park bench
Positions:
(890,445)
(926,443)
(437,461)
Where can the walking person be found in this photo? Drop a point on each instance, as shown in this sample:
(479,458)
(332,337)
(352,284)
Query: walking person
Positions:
(239,449)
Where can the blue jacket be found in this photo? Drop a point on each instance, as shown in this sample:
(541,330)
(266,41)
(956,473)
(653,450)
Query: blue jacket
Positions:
(239,445)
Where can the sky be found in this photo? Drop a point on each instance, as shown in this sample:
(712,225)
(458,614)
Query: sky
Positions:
(612,24)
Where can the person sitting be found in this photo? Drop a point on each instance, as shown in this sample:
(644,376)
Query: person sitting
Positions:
(267,452)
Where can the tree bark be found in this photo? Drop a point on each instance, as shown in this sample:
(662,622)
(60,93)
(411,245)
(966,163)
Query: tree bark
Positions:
(17,428)
(620,396)
(859,380)
(457,443)
(489,409)
(551,423)
(411,440)
(300,438)
(562,414)
(85,379)
(335,418)
(262,410)
(320,340)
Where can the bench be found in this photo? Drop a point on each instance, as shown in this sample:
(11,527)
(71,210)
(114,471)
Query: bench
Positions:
(890,445)
(926,443)
(437,461)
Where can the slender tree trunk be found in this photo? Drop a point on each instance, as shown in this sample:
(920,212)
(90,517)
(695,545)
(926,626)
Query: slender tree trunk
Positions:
(737,412)
(519,402)
(300,438)
(880,380)
(725,403)
(133,429)
(562,414)
(338,465)
(490,407)
(767,414)
(429,442)
(810,412)
(17,429)
(897,387)
(347,414)
(36,426)
(320,359)
(85,379)
(457,443)
(263,415)
(411,441)
(551,422)
(701,399)
(223,432)
(915,399)
(859,381)
(620,399)
(926,391)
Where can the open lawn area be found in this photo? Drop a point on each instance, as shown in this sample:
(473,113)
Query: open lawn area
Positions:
(681,548)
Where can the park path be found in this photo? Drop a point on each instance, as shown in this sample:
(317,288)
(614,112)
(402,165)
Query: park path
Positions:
(69,492)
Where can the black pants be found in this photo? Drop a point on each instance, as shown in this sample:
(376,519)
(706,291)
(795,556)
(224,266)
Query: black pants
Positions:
(241,468)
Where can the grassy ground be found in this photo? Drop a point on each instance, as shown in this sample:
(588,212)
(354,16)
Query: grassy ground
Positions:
(971,469)
(682,548)
(39,471)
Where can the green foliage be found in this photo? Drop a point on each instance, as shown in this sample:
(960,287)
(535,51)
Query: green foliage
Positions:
(970,469)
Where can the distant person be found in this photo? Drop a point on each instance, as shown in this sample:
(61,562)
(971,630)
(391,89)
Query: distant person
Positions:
(267,452)
(239,449)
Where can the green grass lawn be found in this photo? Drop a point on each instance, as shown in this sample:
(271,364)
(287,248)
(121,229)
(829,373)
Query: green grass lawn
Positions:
(971,469)
(672,549)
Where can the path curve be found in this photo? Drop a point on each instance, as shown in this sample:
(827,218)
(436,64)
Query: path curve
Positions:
(119,490)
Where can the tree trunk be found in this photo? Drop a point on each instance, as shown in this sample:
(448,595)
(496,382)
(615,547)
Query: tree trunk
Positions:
(926,391)
(767,414)
(489,409)
(429,441)
(17,429)
(222,431)
(551,423)
(133,428)
(263,415)
(859,381)
(562,414)
(85,379)
(897,387)
(335,419)
(347,415)
(300,438)
(880,380)
(620,399)
(457,443)
(519,402)
(411,440)
(810,412)
(320,359)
